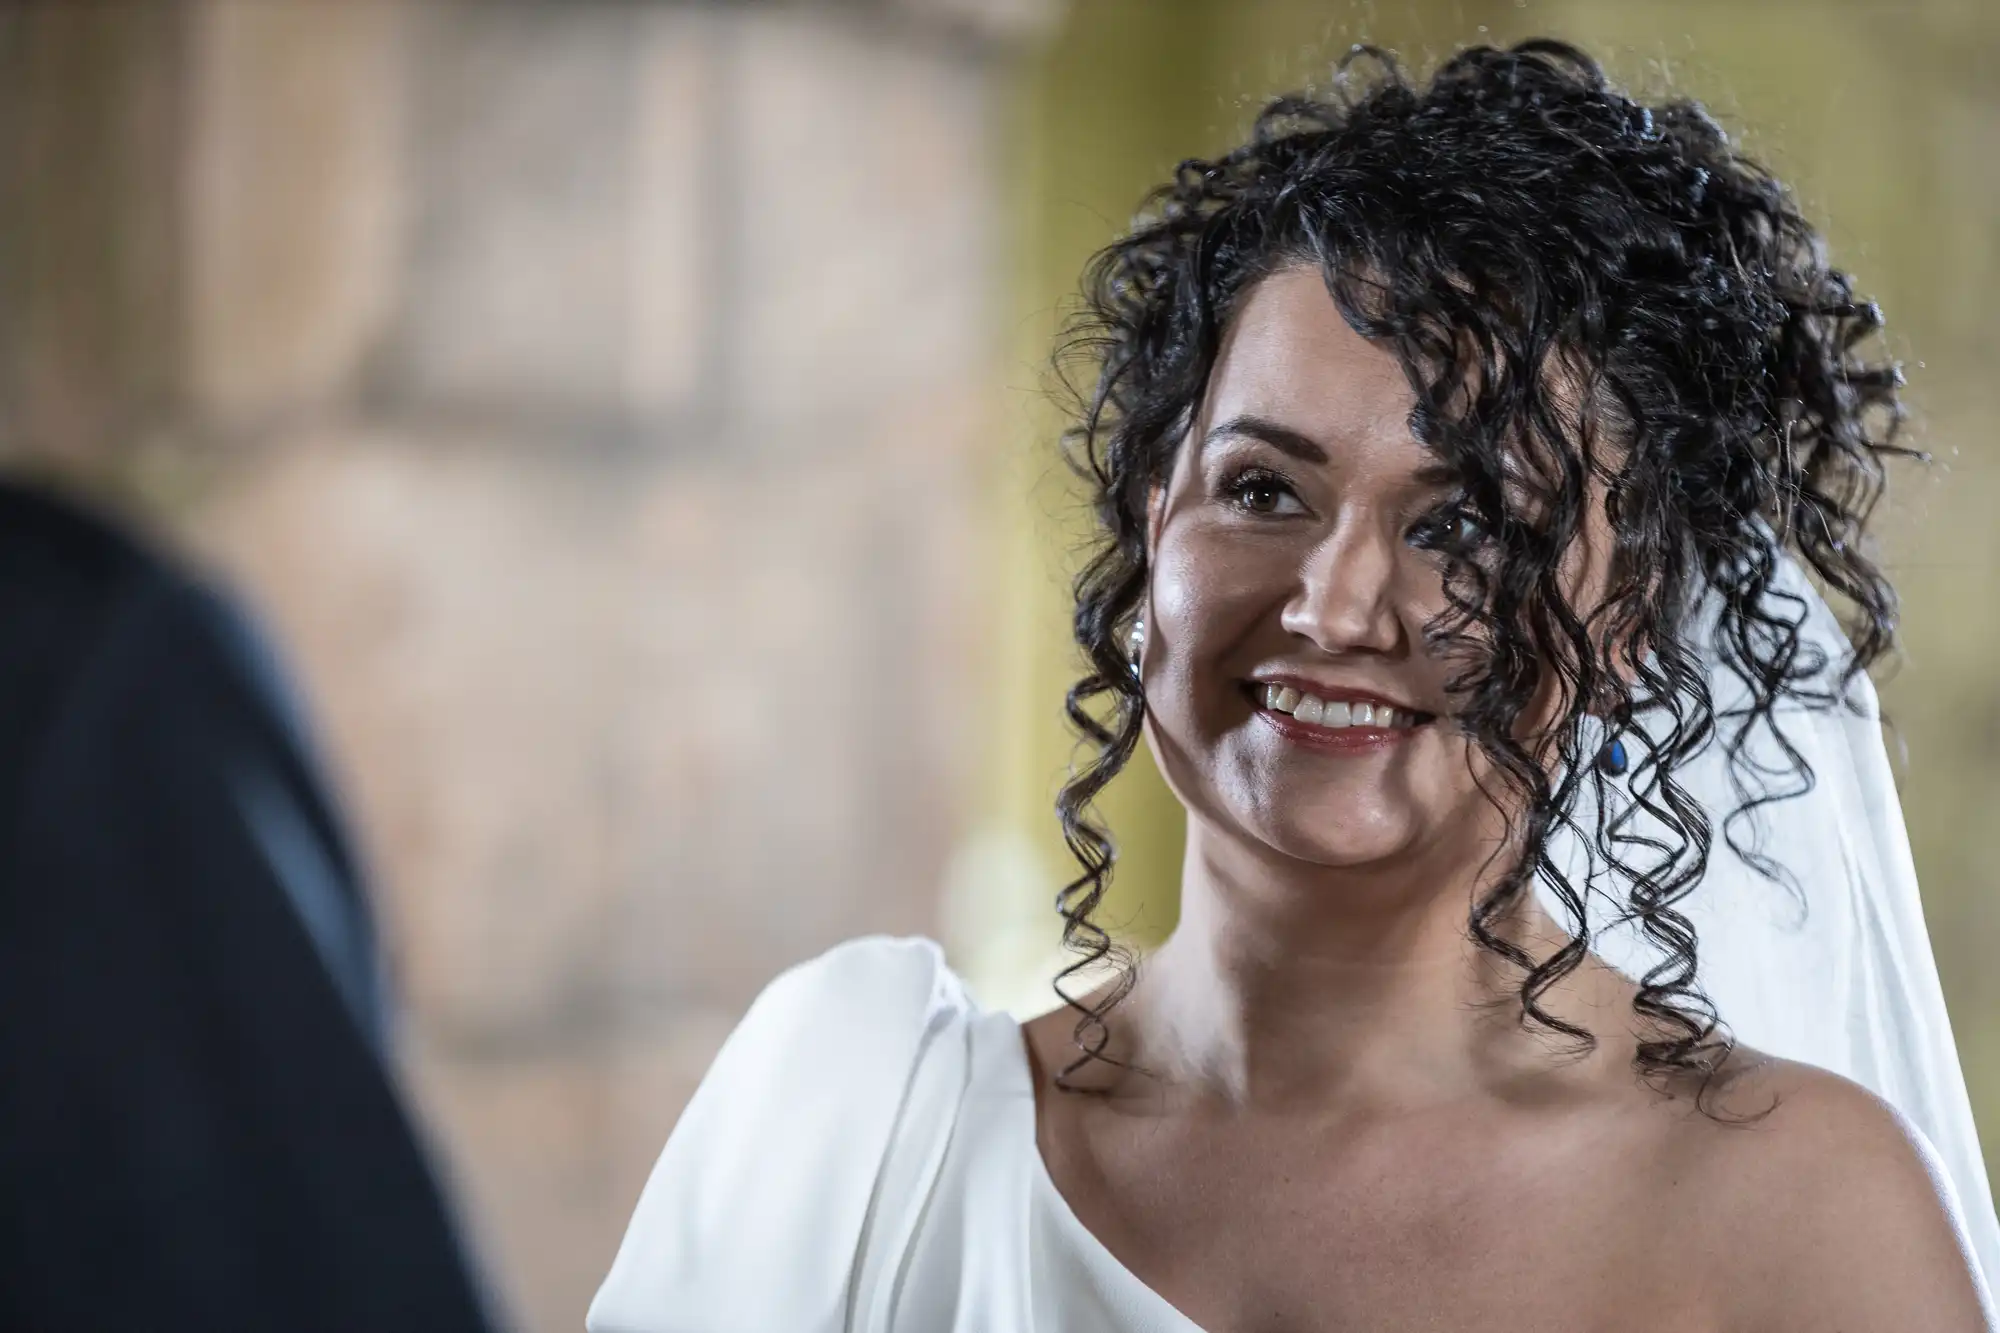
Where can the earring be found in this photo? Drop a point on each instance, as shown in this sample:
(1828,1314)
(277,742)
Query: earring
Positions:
(1135,641)
(1612,760)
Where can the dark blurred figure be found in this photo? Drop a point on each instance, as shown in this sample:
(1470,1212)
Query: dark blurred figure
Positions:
(197,1129)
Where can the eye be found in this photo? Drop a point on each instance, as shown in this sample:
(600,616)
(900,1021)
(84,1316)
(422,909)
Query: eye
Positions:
(1260,491)
(1452,527)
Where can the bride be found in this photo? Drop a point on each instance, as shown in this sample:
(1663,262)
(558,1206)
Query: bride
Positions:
(1470,456)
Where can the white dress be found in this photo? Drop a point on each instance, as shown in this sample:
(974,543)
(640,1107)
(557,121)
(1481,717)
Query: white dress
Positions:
(861,1156)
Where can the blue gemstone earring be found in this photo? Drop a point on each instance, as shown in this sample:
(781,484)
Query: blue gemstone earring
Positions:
(1611,760)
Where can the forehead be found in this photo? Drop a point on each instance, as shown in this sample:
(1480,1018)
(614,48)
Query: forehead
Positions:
(1288,356)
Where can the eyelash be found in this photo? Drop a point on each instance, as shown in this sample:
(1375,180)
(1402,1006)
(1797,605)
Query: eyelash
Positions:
(1439,530)
(1238,486)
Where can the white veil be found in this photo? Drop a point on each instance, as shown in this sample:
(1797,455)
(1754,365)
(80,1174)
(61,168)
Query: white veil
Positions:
(1833,966)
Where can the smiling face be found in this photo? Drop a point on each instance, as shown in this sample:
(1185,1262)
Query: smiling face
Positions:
(1296,554)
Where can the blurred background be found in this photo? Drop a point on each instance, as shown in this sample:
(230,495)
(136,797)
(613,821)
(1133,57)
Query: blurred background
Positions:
(630,417)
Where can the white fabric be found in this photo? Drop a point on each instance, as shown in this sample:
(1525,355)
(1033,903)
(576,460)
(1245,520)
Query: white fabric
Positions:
(756,1209)
(1833,966)
(862,1157)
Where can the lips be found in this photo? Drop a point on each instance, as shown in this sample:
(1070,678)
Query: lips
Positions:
(1336,714)
(1353,721)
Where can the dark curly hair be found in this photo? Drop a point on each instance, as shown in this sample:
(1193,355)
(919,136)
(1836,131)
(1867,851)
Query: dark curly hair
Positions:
(1524,238)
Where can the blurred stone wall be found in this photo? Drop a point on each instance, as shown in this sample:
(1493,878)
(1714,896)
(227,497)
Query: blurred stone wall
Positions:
(598,399)
(591,397)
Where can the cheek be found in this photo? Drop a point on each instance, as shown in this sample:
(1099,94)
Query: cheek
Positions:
(1209,595)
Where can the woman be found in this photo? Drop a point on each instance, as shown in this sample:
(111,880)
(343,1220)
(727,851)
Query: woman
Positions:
(1457,449)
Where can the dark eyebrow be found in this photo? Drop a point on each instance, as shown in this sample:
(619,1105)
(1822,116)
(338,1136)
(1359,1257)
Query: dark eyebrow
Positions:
(1282,438)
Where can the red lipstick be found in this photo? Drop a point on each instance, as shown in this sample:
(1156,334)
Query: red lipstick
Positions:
(1339,738)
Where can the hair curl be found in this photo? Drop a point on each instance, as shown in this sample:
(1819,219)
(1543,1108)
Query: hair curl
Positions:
(1517,231)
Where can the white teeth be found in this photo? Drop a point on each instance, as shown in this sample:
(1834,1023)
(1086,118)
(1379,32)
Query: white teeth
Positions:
(1321,712)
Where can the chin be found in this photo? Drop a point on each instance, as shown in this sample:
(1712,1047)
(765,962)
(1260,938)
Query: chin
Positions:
(1348,839)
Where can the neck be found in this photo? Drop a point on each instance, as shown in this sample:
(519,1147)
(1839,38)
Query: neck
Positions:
(1290,983)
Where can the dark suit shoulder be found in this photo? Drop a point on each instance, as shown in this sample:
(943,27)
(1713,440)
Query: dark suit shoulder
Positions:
(67,575)
(52,541)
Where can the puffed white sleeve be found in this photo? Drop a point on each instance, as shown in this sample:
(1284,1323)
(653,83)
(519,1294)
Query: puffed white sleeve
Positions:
(753,1217)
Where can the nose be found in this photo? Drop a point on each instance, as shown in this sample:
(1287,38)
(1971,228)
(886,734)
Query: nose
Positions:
(1345,601)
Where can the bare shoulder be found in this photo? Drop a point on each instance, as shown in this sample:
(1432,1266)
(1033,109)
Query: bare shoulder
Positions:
(1826,1208)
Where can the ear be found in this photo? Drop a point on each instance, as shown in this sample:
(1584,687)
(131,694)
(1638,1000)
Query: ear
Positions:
(1626,655)
(1156,517)
(1595,571)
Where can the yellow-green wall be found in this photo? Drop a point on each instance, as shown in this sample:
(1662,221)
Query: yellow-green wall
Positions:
(1888,126)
